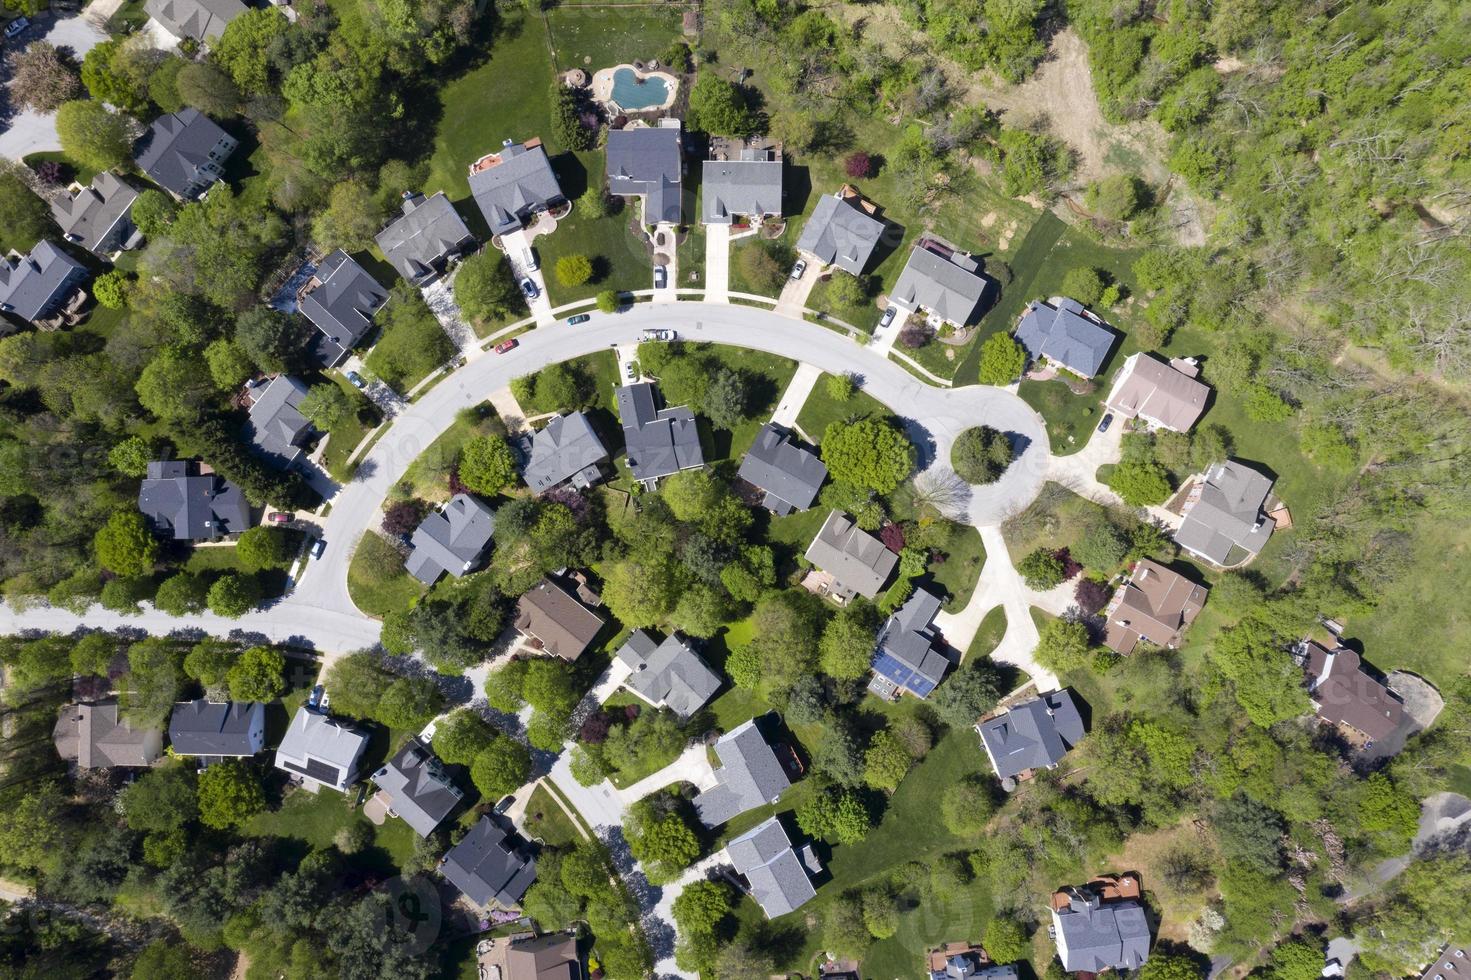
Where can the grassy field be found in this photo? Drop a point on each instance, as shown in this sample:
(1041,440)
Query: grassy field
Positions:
(376,579)
(1056,519)
(1070,418)
(821,409)
(601,37)
(620,261)
(546,820)
(958,574)
(988,635)
(427,477)
(316,819)
(348,434)
(864,316)
(1024,263)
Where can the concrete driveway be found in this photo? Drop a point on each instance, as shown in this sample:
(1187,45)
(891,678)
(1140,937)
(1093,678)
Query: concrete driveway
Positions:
(32,132)
(717,263)
(517,245)
(794,294)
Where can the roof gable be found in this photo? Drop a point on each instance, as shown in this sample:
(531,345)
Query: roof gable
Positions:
(566,448)
(841,233)
(790,474)
(1065,336)
(857,561)
(946,283)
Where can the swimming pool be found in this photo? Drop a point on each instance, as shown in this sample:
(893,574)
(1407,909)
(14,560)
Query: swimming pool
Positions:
(633,93)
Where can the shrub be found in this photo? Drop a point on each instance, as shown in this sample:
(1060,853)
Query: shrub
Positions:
(111,289)
(915,334)
(608,301)
(858,165)
(981,454)
(487,465)
(1042,569)
(840,387)
(1084,285)
(1091,595)
(574,270)
(1002,360)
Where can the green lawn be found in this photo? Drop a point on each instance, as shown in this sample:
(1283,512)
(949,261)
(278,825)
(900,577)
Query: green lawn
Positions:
(376,579)
(215,560)
(1056,519)
(1071,418)
(738,281)
(821,409)
(427,477)
(1017,288)
(349,433)
(772,373)
(547,821)
(958,574)
(79,173)
(316,819)
(601,37)
(620,261)
(864,316)
(988,635)
(691,255)
(601,370)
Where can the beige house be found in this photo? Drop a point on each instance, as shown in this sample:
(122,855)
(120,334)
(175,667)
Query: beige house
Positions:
(1154,606)
(95,737)
(1165,395)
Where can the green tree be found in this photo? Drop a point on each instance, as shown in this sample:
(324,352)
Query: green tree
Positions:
(181,594)
(164,960)
(93,654)
(261,547)
(726,399)
(872,453)
(1250,833)
(42,78)
(1389,813)
(173,388)
(229,795)
(273,340)
(1042,569)
(1295,960)
(837,815)
(245,47)
(609,301)
(153,212)
(593,204)
(131,456)
(206,87)
(1006,941)
(886,762)
(125,545)
(233,595)
(969,692)
(574,270)
(719,107)
(662,843)
(1103,546)
(111,290)
(259,675)
(350,220)
(209,661)
(1267,684)
(703,905)
(1083,284)
(108,72)
(1175,966)
(567,122)
(161,800)
(327,406)
(1002,360)
(1140,480)
(840,387)
(409,702)
(485,288)
(229,365)
(1063,646)
(24,217)
(967,805)
(501,767)
(848,640)
(459,738)
(487,465)
(1116,198)
(981,454)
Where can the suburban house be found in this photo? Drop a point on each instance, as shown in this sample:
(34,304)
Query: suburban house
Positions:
(749,775)
(659,441)
(421,241)
(1347,695)
(556,620)
(1165,394)
(1033,735)
(1154,605)
(1451,963)
(852,561)
(550,957)
(187,502)
(198,20)
(1225,520)
(277,427)
(843,231)
(451,539)
(489,866)
(94,737)
(775,875)
(413,785)
(98,217)
(965,961)
(648,162)
(321,750)
(1067,335)
(218,729)
(790,474)
(184,152)
(907,659)
(565,450)
(744,182)
(513,185)
(43,288)
(340,300)
(668,674)
(940,281)
(1100,926)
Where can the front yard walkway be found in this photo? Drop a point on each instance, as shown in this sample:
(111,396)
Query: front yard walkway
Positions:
(509,409)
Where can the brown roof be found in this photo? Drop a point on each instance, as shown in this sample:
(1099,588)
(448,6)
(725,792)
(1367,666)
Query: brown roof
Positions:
(97,738)
(551,957)
(1346,695)
(563,625)
(1165,394)
(1155,605)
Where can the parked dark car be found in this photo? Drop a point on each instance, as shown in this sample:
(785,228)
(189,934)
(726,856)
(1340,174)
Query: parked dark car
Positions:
(1107,421)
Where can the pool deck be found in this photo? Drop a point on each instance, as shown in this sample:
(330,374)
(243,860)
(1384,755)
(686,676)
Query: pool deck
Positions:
(602,87)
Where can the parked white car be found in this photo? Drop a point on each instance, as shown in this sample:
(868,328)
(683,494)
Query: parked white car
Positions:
(665,335)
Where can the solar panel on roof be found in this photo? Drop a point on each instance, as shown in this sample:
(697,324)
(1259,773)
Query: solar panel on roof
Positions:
(893,668)
(316,769)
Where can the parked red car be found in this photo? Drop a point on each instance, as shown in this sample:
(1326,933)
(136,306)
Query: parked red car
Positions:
(506,345)
(277,517)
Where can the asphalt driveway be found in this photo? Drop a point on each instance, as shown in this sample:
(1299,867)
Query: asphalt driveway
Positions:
(32,132)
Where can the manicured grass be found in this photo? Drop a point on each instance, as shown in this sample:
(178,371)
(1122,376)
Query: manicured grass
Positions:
(770,374)
(691,257)
(601,37)
(427,477)
(864,316)
(1024,262)
(738,281)
(988,635)
(821,409)
(1070,418)
(376,579)
(601,370)
(958,574)
(316,819)
(620,260)
(349,433)
(546,820)
(1056,519)
(507,97)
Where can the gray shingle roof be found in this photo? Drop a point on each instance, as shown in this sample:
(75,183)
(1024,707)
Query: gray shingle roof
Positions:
(33,286)
(180,502)
(321,748)
(1035,734)
(487,865)
(450,540)
(906,654)
(1063,335)
(520,185)
(97,738)
(749,775)
(790,474)
(417,787)
(277,427)
(96,216)
(668,674)
(420,241)
(647,161)
(779,883)
(659,442)
(197,19)
(1227,513)
(184,152)
(223,728)
(341,306)
(746,188)
(1093,936)
(566,448)
(840,233)
(857,561)
(951,288)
